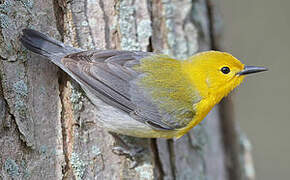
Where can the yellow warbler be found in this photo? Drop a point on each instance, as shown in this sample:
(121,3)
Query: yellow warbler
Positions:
(145,94)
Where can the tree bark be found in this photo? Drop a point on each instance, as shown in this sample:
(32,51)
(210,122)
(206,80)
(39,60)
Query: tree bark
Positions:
(49,129)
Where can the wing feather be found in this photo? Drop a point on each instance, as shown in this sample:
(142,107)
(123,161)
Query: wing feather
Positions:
(123,79)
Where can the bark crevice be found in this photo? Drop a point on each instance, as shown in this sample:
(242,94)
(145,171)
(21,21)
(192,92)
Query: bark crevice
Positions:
(66,125)
(157,161)
(106,20)
(172,157)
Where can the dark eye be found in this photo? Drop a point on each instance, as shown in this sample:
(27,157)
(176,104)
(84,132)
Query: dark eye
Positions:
(225,70)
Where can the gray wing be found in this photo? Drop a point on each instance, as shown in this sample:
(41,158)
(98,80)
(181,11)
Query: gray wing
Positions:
(109,75)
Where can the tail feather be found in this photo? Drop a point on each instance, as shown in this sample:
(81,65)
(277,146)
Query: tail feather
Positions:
(41,44)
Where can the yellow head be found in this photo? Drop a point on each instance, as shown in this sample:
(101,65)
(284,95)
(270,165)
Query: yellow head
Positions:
(215,73)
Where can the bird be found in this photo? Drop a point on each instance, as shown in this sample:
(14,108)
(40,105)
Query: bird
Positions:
(145,94)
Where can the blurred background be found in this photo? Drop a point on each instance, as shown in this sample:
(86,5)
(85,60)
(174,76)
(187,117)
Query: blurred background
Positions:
(258,33)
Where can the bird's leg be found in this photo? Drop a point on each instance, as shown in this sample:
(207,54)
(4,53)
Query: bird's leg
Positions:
(125,150)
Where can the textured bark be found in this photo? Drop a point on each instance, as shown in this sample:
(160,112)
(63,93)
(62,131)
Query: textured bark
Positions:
(49,129)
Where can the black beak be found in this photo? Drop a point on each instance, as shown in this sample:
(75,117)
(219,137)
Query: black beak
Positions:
(251,69)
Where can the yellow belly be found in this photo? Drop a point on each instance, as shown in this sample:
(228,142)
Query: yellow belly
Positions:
(131,127)
(202,109)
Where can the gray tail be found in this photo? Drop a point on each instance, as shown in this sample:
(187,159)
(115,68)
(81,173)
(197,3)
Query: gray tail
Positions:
(41,44)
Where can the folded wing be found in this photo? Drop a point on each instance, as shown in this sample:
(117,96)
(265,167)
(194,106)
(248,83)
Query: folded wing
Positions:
(124,79)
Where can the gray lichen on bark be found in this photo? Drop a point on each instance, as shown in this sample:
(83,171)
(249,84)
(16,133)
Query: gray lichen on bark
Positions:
(14,83)
(31,102)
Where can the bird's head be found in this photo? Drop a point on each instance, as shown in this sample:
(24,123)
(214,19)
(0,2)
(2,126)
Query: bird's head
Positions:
(217,73)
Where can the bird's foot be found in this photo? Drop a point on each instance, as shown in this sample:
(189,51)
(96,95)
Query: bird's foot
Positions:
(132,153)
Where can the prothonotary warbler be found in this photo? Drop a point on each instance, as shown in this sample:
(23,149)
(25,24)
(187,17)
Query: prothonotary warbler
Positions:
(144,94)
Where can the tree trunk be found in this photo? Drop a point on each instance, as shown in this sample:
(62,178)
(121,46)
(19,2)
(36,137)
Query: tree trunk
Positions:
(49,129)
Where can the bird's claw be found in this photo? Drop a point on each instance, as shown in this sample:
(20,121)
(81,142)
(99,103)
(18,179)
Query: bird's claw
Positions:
(132,154)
